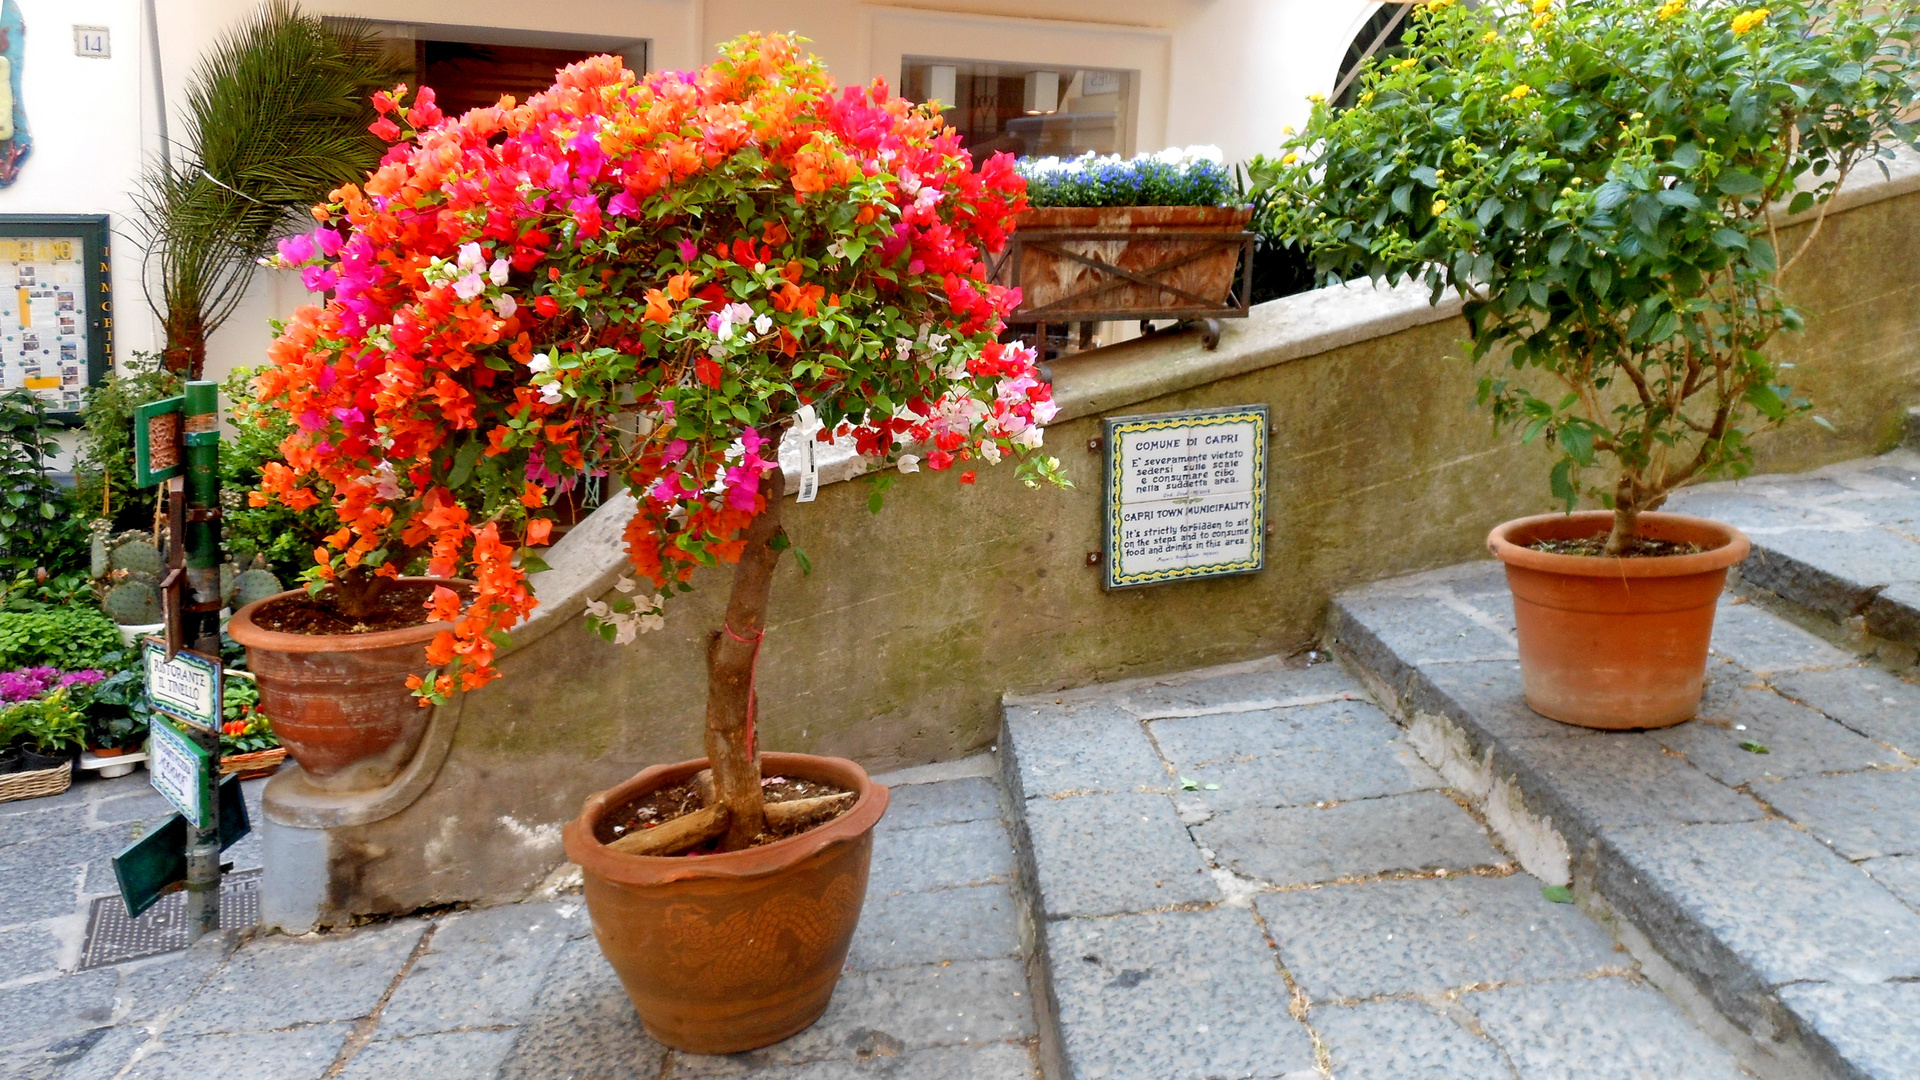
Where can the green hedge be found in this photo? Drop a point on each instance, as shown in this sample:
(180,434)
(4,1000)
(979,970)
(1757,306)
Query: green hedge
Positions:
(67,638)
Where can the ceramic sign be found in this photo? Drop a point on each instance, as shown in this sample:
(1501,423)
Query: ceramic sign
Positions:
(1186,495)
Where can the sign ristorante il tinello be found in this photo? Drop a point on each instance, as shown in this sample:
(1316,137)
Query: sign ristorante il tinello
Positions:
(1186,495)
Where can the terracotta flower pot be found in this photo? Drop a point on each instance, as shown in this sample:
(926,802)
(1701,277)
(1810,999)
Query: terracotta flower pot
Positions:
(340,702)
(1615,643)
(724,953)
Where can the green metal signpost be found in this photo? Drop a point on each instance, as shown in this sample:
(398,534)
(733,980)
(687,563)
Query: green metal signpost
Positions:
(177,442)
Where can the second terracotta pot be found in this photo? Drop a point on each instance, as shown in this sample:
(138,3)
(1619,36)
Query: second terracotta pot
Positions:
(725,953)
(339,702)
(1615,643)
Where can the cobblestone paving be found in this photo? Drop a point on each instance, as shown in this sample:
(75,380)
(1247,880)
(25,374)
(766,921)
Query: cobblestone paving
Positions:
(935,985)
(1843,541)
(1248,872)
(1771,846)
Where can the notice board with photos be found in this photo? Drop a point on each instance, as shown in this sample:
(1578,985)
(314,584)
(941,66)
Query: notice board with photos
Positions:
(1186,495)
(56,307)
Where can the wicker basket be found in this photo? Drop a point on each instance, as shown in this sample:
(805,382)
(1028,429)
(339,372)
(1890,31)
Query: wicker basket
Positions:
(32,785)
(257,764)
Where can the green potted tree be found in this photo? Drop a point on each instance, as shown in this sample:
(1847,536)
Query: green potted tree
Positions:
(1608,185)
(650,280)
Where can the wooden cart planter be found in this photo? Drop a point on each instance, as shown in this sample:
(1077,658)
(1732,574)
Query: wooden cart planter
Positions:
(1099,264)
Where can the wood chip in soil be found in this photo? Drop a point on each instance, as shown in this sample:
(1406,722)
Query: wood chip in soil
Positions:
(663,805)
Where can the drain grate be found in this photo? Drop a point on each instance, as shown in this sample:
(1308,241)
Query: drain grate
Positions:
(113,938)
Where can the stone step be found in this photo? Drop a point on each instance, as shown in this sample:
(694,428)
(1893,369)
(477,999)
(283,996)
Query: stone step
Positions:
(1762,859)
(1843,541)
(1249,872)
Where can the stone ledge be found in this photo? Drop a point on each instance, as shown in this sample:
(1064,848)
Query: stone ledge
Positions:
(1742,904)
(1837,541)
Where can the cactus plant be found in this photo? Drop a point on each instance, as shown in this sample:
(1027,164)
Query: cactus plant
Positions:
(251,585)
(132,603)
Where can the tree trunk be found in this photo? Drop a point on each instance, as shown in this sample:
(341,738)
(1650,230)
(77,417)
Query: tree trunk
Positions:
(186,350)
(356,591)
(1626,517)
(730,663)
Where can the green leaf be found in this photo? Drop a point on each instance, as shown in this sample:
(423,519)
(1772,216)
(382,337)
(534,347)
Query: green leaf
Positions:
(1188,785)
(1737,182)
(1577,440)
(1730,238)
(1562,482)
(806,564)
(531,563)
(1802,202)
(1557,894)
(463,462)
(1752,747)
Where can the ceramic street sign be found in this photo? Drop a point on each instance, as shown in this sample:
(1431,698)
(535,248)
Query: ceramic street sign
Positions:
(182,771)
(1186,495)
(152,866)
(186,687)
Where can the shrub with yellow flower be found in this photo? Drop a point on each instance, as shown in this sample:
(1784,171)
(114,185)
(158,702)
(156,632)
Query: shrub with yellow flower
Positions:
(1615,239)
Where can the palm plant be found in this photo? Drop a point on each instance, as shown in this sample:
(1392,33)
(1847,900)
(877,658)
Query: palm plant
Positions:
(276,117)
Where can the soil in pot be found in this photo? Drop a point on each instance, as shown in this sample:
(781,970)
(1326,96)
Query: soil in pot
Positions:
(1616,643)
(401,606)
(658,808)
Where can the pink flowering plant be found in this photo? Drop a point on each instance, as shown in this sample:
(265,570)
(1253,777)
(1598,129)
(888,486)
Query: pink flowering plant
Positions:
(650,279)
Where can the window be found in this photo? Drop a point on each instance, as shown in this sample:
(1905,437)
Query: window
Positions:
(470,66)
(1028,110)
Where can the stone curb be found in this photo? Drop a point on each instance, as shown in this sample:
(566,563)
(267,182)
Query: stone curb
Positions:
(1595,862)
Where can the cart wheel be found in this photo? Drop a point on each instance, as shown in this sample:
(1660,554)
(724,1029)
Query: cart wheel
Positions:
(1211,338)
(1146,327)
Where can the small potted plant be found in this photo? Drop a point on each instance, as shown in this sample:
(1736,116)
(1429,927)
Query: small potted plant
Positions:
(1606,184)
(1155,236)
(654,279)
(47,732)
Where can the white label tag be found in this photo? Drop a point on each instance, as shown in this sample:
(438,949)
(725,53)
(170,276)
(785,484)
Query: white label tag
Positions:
(809,467)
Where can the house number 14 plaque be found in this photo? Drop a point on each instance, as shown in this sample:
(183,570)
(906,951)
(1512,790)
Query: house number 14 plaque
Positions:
(1186,495)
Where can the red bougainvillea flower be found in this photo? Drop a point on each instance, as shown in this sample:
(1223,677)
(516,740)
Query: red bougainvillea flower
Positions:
(644,280)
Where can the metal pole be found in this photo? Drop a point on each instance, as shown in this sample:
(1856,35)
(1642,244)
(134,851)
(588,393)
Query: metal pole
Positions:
(202,541)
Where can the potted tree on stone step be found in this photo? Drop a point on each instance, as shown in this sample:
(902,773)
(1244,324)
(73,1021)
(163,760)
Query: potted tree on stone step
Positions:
(1609,185)
(652,280)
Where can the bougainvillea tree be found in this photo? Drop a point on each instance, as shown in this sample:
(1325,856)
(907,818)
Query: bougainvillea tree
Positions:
(651,280)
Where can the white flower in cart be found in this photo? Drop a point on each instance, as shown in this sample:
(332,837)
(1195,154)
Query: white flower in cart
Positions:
(552,394)
(541,362)
(763,324)
(471,259)
(1171,156)
(506,305)
(909,463)
(1208,153)
(991,451)
(497,273)
(1029,438)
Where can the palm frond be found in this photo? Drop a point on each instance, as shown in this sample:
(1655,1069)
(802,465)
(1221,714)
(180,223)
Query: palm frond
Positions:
(275,117)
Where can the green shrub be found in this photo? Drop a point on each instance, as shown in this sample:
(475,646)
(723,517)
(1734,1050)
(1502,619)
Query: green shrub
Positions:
(66,638)
(103,471)
(1605,182)
(38,525)
(283,537)
(46,725)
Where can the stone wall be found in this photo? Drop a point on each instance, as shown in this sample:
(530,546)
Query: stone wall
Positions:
(897,648)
